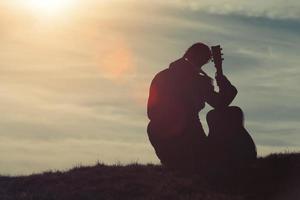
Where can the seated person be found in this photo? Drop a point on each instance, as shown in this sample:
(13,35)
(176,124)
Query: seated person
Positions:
(177,95)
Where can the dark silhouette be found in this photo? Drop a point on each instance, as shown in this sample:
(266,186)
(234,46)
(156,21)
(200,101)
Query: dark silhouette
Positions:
(177,94)
(275,177)
(229,142)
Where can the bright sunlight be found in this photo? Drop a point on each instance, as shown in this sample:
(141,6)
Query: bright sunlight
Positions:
(49,7)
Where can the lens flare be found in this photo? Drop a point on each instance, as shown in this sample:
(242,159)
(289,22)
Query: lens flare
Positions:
(117,61)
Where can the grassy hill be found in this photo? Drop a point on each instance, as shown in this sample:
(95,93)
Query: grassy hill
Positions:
(274,177)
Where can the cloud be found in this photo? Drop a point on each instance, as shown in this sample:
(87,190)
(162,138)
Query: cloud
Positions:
(65,154)
(58,91)
(277,9)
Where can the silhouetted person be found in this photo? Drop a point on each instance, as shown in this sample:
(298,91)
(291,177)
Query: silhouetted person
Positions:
(177,94)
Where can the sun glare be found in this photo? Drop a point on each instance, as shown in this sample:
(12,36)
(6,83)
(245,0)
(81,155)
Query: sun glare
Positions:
(49,7)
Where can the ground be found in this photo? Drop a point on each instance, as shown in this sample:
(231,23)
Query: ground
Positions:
(275,177)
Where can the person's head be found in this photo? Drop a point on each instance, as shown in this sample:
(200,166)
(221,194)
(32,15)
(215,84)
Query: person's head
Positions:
(199,54)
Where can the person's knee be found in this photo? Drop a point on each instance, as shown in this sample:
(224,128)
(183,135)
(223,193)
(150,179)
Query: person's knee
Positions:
(226,114)
(228,109)
(234,109)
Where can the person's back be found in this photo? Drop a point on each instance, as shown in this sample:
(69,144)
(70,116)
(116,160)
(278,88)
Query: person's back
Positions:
(176,97)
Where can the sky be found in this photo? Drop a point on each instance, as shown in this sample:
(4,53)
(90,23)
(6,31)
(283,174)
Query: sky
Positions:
(75,74)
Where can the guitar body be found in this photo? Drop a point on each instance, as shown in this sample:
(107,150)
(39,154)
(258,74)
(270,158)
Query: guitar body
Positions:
(228,139)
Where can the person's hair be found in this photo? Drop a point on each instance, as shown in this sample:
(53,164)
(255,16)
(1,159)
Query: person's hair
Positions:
(198,53)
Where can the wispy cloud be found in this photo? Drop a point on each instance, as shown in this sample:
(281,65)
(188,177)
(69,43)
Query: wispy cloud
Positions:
(58,86)
(277,9)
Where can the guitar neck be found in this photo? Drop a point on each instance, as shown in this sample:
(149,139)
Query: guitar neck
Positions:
(217,59)
(219,70)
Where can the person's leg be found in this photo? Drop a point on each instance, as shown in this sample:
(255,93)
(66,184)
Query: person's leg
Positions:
(197,142)
(173,153)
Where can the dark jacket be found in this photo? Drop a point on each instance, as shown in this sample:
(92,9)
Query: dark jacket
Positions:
(177,94)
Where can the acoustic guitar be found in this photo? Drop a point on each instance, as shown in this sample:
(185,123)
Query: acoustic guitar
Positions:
(228,139)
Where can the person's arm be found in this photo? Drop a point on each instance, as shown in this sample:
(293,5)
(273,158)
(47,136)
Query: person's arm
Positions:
(224,97)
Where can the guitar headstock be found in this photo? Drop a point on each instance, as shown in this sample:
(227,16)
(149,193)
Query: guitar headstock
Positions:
(217,55)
